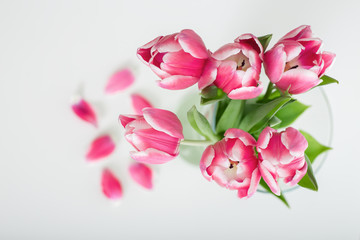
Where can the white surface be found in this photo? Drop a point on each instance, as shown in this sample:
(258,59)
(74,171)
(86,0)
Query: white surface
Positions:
(47,191)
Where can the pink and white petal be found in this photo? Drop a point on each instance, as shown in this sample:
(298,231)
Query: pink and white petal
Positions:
(328,59)
(168,44)
(111,186)
(255,179)
(314,44)
(225,75)
(209,73)
(84,111)
(304,31)
(177,82)
(269,179)
(193,44)
(245,137)
(126,119)
(141,174)
(226,51)
(264,138)
(120,81)
(139,103)
(294,141)
(252,41)
(101,147)
(292,49)
(246,92)
(298,81)
(164,121)
(161,73)
(299,174)
(274,63)
(144,52)
(151,156)
(206,160)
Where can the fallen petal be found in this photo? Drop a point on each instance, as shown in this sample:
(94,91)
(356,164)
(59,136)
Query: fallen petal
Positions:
(110,185)
(139,103)
(85,112)
(101,147)
(141,174)
(120,81)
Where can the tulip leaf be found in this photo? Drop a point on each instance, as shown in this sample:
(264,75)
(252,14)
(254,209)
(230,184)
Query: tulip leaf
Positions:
(221,106)
(327,80)
(289,113)
(231,116)
(265,40)
(200,124)
(256,119)
(281,197)
(314,147)
(211,94)
(309,180)
(274,122)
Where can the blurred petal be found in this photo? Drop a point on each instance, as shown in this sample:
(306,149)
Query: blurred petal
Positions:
(120,81)
(164,121)
(141,174)
(111,186)
(101,147)
(85,112)
(139,103)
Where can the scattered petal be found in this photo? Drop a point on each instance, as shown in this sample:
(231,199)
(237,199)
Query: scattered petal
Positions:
(85,112)
(101,147)
(120,81)
(139,103)
(111,186)
(141,174)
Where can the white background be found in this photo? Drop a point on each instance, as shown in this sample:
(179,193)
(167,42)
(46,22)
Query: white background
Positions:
(51,49)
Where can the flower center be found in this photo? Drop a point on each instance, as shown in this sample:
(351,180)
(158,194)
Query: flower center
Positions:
(233,164)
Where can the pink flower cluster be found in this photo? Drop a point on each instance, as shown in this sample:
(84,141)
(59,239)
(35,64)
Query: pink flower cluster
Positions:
(295,63)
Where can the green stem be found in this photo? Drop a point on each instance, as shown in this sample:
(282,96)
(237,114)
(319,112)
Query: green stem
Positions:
(269,89)
(196,142)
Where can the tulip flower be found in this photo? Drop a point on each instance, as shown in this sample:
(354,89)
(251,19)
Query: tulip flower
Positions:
(155,135)
(281,155)
(232,163)
(178,59)
(296,63)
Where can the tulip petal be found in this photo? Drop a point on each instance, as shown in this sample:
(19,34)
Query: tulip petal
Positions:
(151,156)
(245,137)
(209,74)
(144,52)
(294,141)
(111,186)
(164,121)
(193,44)
(246,92)
(226,51)
(126,119)
(141,174)
(269,179)
(304,31)
(85,112)
(264,137)
(274,63)
(178,82)
(168,44)
(120,81)
(252,41)
(101,147)
(292,49)
(328,59)
(298,81)
(139,103)
(206,159)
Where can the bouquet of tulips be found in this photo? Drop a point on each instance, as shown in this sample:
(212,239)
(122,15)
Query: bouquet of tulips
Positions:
(251,141)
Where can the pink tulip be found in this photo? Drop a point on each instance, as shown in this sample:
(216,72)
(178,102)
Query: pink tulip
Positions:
(232,163)
(296,63)
(178,59)
(155,135)
(239,67)
(281,155)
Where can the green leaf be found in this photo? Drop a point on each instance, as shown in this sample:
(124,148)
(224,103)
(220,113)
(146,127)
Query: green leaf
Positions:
(200,124)
(265,40)
(259,117)
(327,80)
(314,147)
(231,116)
(274,122)
(309,180)
(212,94)
(221,106)
(289,113)
(281,197)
